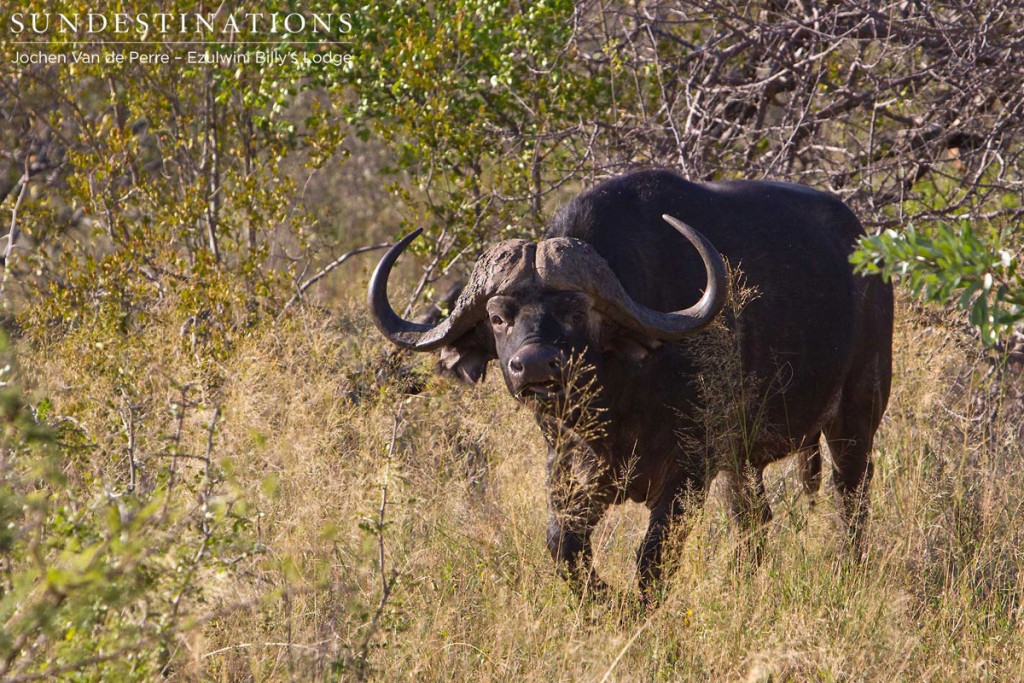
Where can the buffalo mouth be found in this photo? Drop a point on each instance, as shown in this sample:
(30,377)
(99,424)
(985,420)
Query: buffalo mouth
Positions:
(543,391)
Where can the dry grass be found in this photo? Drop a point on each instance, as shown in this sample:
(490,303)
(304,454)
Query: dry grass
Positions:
(306,434)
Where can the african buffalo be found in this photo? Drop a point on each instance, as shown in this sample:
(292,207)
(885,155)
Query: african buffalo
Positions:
(624,284)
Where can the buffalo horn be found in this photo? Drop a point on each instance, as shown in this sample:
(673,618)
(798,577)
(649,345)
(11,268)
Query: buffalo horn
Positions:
(566,263)
(498,269)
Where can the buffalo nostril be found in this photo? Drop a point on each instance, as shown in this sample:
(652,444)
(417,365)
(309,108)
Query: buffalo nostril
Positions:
(535,364)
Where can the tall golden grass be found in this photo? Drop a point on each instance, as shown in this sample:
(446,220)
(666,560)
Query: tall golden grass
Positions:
(401,536)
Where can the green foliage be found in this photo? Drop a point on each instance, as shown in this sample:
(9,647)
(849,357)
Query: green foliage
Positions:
(481,105)
(97,576)
(980,275)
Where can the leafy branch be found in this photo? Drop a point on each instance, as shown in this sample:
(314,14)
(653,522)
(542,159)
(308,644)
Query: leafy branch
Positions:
(952,266)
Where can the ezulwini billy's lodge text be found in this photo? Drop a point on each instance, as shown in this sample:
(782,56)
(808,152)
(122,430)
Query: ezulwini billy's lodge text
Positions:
(204,57)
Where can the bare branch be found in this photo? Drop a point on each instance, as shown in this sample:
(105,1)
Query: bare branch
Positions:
(328,268)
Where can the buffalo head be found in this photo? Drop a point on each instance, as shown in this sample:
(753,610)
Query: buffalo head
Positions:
(532,306)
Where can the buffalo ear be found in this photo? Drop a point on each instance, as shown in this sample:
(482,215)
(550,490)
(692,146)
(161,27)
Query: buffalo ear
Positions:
(623,342)
(466,359)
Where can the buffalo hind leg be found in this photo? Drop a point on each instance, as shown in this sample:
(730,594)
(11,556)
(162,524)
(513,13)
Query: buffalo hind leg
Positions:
(751,512)
(850,438)
(809,467)
(852,470)
(865,393)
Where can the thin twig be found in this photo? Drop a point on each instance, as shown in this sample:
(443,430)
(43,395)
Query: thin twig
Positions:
(387,579)
(427,273)
(385,588)
(176,445)
(204,506)
(12,235)
(208,484)
(328,268)
(15,231)
(128,420)
(622,652)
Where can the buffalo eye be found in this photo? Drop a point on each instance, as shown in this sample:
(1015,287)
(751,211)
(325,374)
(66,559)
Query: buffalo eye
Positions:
(497,320)
(578,317)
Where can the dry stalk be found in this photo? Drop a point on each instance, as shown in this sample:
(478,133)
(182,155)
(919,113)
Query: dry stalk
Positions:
(387,578)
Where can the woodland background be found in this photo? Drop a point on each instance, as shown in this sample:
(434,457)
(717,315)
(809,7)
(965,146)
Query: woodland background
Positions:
(212,467)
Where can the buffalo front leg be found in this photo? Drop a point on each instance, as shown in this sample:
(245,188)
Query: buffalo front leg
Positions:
(650,555)
(578,496)
(571,549)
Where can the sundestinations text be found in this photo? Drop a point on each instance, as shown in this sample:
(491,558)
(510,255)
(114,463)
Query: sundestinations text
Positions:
(92,23)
